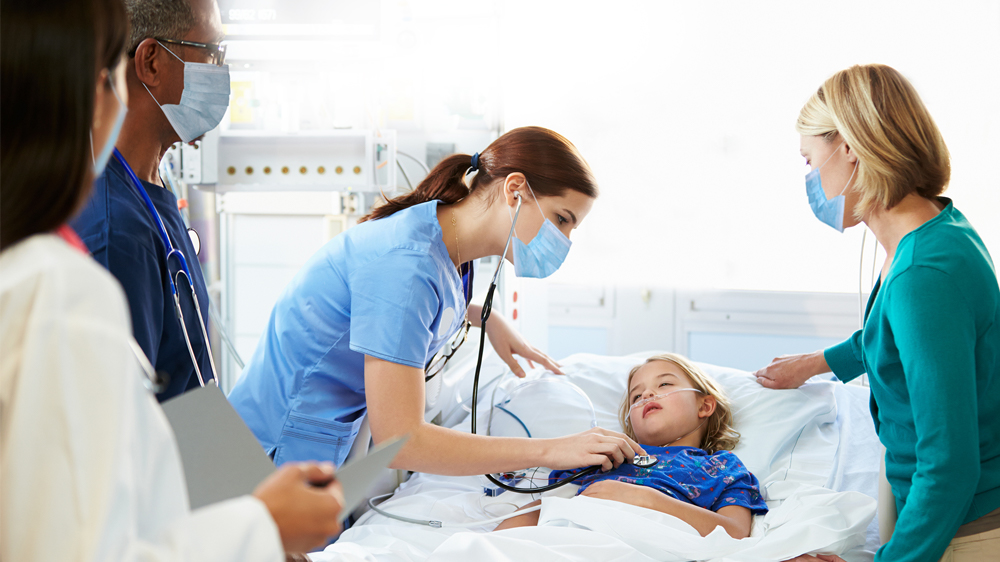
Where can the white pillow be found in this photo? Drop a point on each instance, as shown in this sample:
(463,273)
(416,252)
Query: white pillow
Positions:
(784,434)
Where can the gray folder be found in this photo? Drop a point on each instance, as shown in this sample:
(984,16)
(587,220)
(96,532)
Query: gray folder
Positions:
(222,459)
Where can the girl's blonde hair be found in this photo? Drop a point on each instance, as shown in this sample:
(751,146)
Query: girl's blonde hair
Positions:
(719,432)
(879,115)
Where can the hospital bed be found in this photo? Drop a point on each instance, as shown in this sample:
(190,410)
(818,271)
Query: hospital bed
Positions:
(813,449)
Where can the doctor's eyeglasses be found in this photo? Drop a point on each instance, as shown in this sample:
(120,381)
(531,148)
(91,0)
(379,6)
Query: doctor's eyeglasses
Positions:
(216,50)
(437,364)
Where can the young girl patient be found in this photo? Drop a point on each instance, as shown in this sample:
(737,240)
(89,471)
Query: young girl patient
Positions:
(683,419)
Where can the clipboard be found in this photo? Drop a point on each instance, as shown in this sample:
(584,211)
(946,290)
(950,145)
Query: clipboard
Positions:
(222,458)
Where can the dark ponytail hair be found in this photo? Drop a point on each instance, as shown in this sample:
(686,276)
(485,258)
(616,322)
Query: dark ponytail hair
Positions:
(52,52)
(550,163)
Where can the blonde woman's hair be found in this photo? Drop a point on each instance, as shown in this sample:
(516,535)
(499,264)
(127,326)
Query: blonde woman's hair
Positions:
(719,432)
(879,115)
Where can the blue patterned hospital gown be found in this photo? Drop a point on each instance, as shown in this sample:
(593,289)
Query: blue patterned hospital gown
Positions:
(692,475)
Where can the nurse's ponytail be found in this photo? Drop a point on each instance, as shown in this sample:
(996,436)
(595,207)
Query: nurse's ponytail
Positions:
(446,182)
(550,163)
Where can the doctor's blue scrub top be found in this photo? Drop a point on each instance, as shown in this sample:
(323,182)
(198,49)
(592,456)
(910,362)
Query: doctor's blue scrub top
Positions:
(120,232)
(385,288)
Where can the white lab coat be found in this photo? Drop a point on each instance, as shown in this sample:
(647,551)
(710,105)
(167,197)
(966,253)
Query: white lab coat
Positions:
(89,468)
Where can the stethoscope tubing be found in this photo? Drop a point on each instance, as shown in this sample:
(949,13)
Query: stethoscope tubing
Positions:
(487,310)
(176,253)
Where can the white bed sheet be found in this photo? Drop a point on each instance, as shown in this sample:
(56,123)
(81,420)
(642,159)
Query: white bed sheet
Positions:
(813,449)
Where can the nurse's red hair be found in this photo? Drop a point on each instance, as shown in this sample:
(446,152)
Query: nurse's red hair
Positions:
(547,159)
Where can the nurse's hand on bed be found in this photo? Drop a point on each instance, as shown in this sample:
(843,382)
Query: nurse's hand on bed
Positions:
(303,508)
(508,343)
(597,446)
(792,371)
(817,558)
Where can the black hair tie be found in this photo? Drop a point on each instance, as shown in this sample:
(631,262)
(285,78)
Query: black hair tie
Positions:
(475,162)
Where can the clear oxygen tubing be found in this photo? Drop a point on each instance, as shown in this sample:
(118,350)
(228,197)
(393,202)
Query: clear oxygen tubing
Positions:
(419,162)
(405,176)
(439,524)
(487,309)
(645,401)
(656,397)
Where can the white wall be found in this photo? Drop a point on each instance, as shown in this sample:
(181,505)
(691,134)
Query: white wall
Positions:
(685,110)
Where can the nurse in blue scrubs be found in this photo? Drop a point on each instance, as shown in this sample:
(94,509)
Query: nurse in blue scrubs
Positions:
(354,331)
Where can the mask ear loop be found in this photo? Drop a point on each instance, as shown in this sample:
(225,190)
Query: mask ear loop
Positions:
(121,105)
(831,155)
(171,52)
(496,274)
(533,196)
(156,101)
(850,178)
(147,87)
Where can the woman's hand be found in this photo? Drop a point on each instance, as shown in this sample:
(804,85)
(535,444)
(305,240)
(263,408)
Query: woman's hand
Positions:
(305,501)
(817,558)
(507,343)
(624,492)
(791,371)
(597,446)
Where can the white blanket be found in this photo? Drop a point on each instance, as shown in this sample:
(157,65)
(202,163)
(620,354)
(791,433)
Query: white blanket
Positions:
(796,442)
(803,518)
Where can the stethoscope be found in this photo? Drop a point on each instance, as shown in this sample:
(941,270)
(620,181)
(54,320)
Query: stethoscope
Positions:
(487,309)
(645,461)
(175,253)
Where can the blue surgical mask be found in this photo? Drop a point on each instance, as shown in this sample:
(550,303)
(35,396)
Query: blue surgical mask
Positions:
(204,100)
(828,211)
(545,253)
(101,160)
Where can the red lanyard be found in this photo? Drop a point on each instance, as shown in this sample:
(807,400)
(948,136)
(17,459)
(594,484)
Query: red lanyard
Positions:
(71,238)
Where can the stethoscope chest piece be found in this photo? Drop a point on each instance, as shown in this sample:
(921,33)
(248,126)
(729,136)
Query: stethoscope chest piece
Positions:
(644,461)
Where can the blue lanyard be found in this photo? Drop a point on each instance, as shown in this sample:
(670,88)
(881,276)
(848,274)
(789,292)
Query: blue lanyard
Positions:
(161,230)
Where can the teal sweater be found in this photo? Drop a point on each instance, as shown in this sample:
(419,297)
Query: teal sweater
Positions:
(931,347)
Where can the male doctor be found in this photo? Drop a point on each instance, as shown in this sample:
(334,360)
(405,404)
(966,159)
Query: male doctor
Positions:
(178,89)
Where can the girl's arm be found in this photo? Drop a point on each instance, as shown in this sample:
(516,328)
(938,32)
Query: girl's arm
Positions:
(395,398)
(733,518)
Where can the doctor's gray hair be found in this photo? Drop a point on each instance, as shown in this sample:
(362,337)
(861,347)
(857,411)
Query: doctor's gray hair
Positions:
(170,19)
